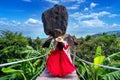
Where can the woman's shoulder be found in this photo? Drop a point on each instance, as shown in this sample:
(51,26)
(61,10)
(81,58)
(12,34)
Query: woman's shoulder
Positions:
(65,42)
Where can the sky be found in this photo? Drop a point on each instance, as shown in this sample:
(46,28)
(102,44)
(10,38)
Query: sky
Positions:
(86,17)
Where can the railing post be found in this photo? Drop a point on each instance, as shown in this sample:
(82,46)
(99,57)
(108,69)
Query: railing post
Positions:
(74,54)
(46,55)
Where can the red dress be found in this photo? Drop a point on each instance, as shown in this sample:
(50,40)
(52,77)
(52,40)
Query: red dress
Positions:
(58,63)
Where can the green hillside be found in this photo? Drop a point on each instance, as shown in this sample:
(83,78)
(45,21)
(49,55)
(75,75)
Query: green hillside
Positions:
(16,47)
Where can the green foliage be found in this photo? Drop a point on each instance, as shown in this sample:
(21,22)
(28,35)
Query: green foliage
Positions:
(14,73)
(15,47)
(35,43)
(98,59)
(114,56)
(90,73)
(114,61)
(87,50)
(112,76)
(9,70)
(98,51)
(11,45)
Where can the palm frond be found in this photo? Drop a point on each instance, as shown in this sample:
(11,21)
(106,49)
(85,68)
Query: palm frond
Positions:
(31,53)
(112,76)
(111,58)
(10,77)
(114,56)
(14,73)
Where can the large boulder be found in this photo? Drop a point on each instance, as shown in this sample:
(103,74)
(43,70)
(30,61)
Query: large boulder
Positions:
(55,18)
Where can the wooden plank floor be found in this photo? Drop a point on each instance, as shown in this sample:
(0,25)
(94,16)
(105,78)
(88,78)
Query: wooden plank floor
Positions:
(46,76)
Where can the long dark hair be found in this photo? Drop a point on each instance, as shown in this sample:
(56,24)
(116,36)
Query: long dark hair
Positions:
(60,45)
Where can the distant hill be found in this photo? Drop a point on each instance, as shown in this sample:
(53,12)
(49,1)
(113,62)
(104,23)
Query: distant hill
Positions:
(117,33)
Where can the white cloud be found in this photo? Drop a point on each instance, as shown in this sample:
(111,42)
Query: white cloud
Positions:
(53,1)
(33,21)
(27,0)
(16,23)
(113,15)
(63,1)
(9,23)
(90,19)
(3,18)
(73,25)
(104,13)
(93,23)
(73,7)
(108,7)
(86,9)
(115,25)
(82,23)
(31,28)
(29,22)
(92,5)
(78,1)
(82,16)
(3,23)
(68,0)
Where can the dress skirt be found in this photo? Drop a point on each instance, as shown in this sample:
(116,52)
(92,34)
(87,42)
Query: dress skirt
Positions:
(58,63)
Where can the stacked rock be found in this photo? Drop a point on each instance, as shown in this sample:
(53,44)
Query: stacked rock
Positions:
(55,19)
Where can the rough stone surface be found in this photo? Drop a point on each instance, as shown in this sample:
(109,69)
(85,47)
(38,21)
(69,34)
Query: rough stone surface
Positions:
(55,18)
(71,40)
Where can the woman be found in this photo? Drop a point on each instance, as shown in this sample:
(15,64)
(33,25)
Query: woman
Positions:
(59,63)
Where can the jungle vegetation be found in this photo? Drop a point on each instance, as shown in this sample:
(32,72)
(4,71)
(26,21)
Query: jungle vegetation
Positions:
(103,49)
